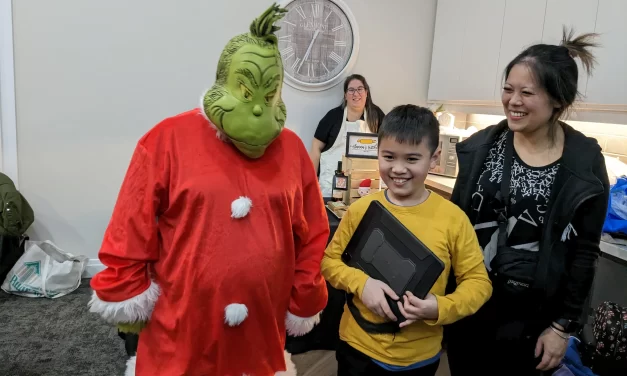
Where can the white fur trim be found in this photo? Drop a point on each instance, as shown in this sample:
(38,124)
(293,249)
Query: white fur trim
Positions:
(130,366)
(235,314)
(241,207)
(298,326)
(202,107)
(291,367)
(219,134)
(137,308)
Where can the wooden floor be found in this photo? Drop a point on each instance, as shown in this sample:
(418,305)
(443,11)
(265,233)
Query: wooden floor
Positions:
(322,363)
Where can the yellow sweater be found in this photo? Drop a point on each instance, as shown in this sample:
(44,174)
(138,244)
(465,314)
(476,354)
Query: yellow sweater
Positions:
(447,232)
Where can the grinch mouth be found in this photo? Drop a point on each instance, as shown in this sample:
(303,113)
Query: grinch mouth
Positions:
(249,144)
(246,143)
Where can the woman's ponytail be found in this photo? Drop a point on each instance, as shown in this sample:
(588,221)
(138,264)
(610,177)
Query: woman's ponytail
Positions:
(579,47)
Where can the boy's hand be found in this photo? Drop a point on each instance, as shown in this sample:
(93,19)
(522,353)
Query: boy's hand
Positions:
(415,309)
(373,296)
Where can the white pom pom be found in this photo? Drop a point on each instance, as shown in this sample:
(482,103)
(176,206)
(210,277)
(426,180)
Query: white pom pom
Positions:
(241,207)
(235,314)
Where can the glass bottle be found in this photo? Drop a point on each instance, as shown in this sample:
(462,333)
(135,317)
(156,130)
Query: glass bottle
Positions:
(340,183)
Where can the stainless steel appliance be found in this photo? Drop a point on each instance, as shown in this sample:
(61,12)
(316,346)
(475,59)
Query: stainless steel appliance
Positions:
(447,165)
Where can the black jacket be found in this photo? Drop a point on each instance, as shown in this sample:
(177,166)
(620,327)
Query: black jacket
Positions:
(577,209)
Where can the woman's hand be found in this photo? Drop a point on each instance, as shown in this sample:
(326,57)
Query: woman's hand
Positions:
(373,296)
(553,347)
(415,309)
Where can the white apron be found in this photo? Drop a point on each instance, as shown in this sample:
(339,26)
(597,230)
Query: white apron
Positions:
(329,159)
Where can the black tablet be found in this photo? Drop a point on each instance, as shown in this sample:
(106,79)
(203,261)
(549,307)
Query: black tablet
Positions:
(386,250)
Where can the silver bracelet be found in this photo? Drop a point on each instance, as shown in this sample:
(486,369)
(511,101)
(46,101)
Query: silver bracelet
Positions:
(559,334)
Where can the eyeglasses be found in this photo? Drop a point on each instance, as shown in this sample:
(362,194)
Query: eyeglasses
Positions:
(359,90)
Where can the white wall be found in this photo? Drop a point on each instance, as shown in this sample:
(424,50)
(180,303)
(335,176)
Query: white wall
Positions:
(93,76)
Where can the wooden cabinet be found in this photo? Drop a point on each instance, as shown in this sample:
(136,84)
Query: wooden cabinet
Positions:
(579,15)
(474,41)
(608,84)
(466,49)
(480,53)
(523,24)
(446,58)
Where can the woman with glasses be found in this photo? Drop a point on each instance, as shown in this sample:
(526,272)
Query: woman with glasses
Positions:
(357,113)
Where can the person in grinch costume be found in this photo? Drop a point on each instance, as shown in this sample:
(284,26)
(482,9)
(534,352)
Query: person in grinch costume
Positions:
(214,247)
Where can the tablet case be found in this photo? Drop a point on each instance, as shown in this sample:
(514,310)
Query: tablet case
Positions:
(387,251)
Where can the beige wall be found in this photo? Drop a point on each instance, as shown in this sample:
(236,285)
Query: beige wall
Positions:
(93,76)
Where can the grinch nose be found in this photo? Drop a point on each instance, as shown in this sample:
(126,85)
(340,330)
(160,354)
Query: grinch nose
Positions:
(257,110)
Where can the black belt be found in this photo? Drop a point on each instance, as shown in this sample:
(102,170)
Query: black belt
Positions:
(370,327)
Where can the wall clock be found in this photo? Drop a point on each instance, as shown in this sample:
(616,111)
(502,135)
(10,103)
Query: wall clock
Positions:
(319,42)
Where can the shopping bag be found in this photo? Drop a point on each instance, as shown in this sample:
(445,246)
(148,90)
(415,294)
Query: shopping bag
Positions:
(44,270)
(616,217)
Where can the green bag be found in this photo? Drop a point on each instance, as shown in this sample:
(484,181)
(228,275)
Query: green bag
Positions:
(17,214)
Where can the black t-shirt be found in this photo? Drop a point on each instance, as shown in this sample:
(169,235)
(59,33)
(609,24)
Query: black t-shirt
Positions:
(530,190)
(329,126)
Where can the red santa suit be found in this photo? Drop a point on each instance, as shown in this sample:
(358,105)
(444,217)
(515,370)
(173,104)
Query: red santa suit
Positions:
(219,253)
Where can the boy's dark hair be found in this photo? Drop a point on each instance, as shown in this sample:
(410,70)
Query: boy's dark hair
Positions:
(411,124)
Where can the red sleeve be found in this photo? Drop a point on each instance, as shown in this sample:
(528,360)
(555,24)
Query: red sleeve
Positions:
(124,292)
(311,230)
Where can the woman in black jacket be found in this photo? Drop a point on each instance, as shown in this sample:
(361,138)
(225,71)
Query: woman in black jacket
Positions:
(540,233)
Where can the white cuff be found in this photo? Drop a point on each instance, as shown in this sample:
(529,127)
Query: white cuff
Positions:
(130,366)
(135,309)
(298,326)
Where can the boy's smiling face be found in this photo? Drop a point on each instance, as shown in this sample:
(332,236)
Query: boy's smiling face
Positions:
(404,168)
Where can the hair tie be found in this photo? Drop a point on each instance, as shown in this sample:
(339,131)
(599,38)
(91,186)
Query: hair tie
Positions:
(569,52)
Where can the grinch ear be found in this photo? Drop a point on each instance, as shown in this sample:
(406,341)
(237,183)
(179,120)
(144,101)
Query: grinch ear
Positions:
(263,26)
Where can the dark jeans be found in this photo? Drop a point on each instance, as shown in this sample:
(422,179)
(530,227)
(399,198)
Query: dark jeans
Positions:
(131,341)
(351,362)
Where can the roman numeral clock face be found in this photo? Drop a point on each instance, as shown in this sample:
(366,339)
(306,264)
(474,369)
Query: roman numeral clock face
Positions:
(316,41)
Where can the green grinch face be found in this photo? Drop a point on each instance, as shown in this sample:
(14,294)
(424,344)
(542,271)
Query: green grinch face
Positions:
(245,101)
(255,81)
(250,111)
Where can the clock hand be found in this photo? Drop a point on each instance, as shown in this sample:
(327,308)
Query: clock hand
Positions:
(308,50)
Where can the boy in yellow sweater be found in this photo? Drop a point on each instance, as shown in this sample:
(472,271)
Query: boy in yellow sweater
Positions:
(408,141)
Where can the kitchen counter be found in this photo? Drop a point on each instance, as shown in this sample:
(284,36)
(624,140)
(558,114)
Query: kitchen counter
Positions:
(610,278)
(616,250)
(442,185)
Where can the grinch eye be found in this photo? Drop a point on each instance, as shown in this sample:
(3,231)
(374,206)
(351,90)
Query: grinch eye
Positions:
(270,96)
(245,92)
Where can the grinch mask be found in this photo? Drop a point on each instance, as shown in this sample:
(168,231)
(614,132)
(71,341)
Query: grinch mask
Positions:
(245,102)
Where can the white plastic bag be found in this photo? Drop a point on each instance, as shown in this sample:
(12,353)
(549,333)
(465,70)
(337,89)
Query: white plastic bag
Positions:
(44,270)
